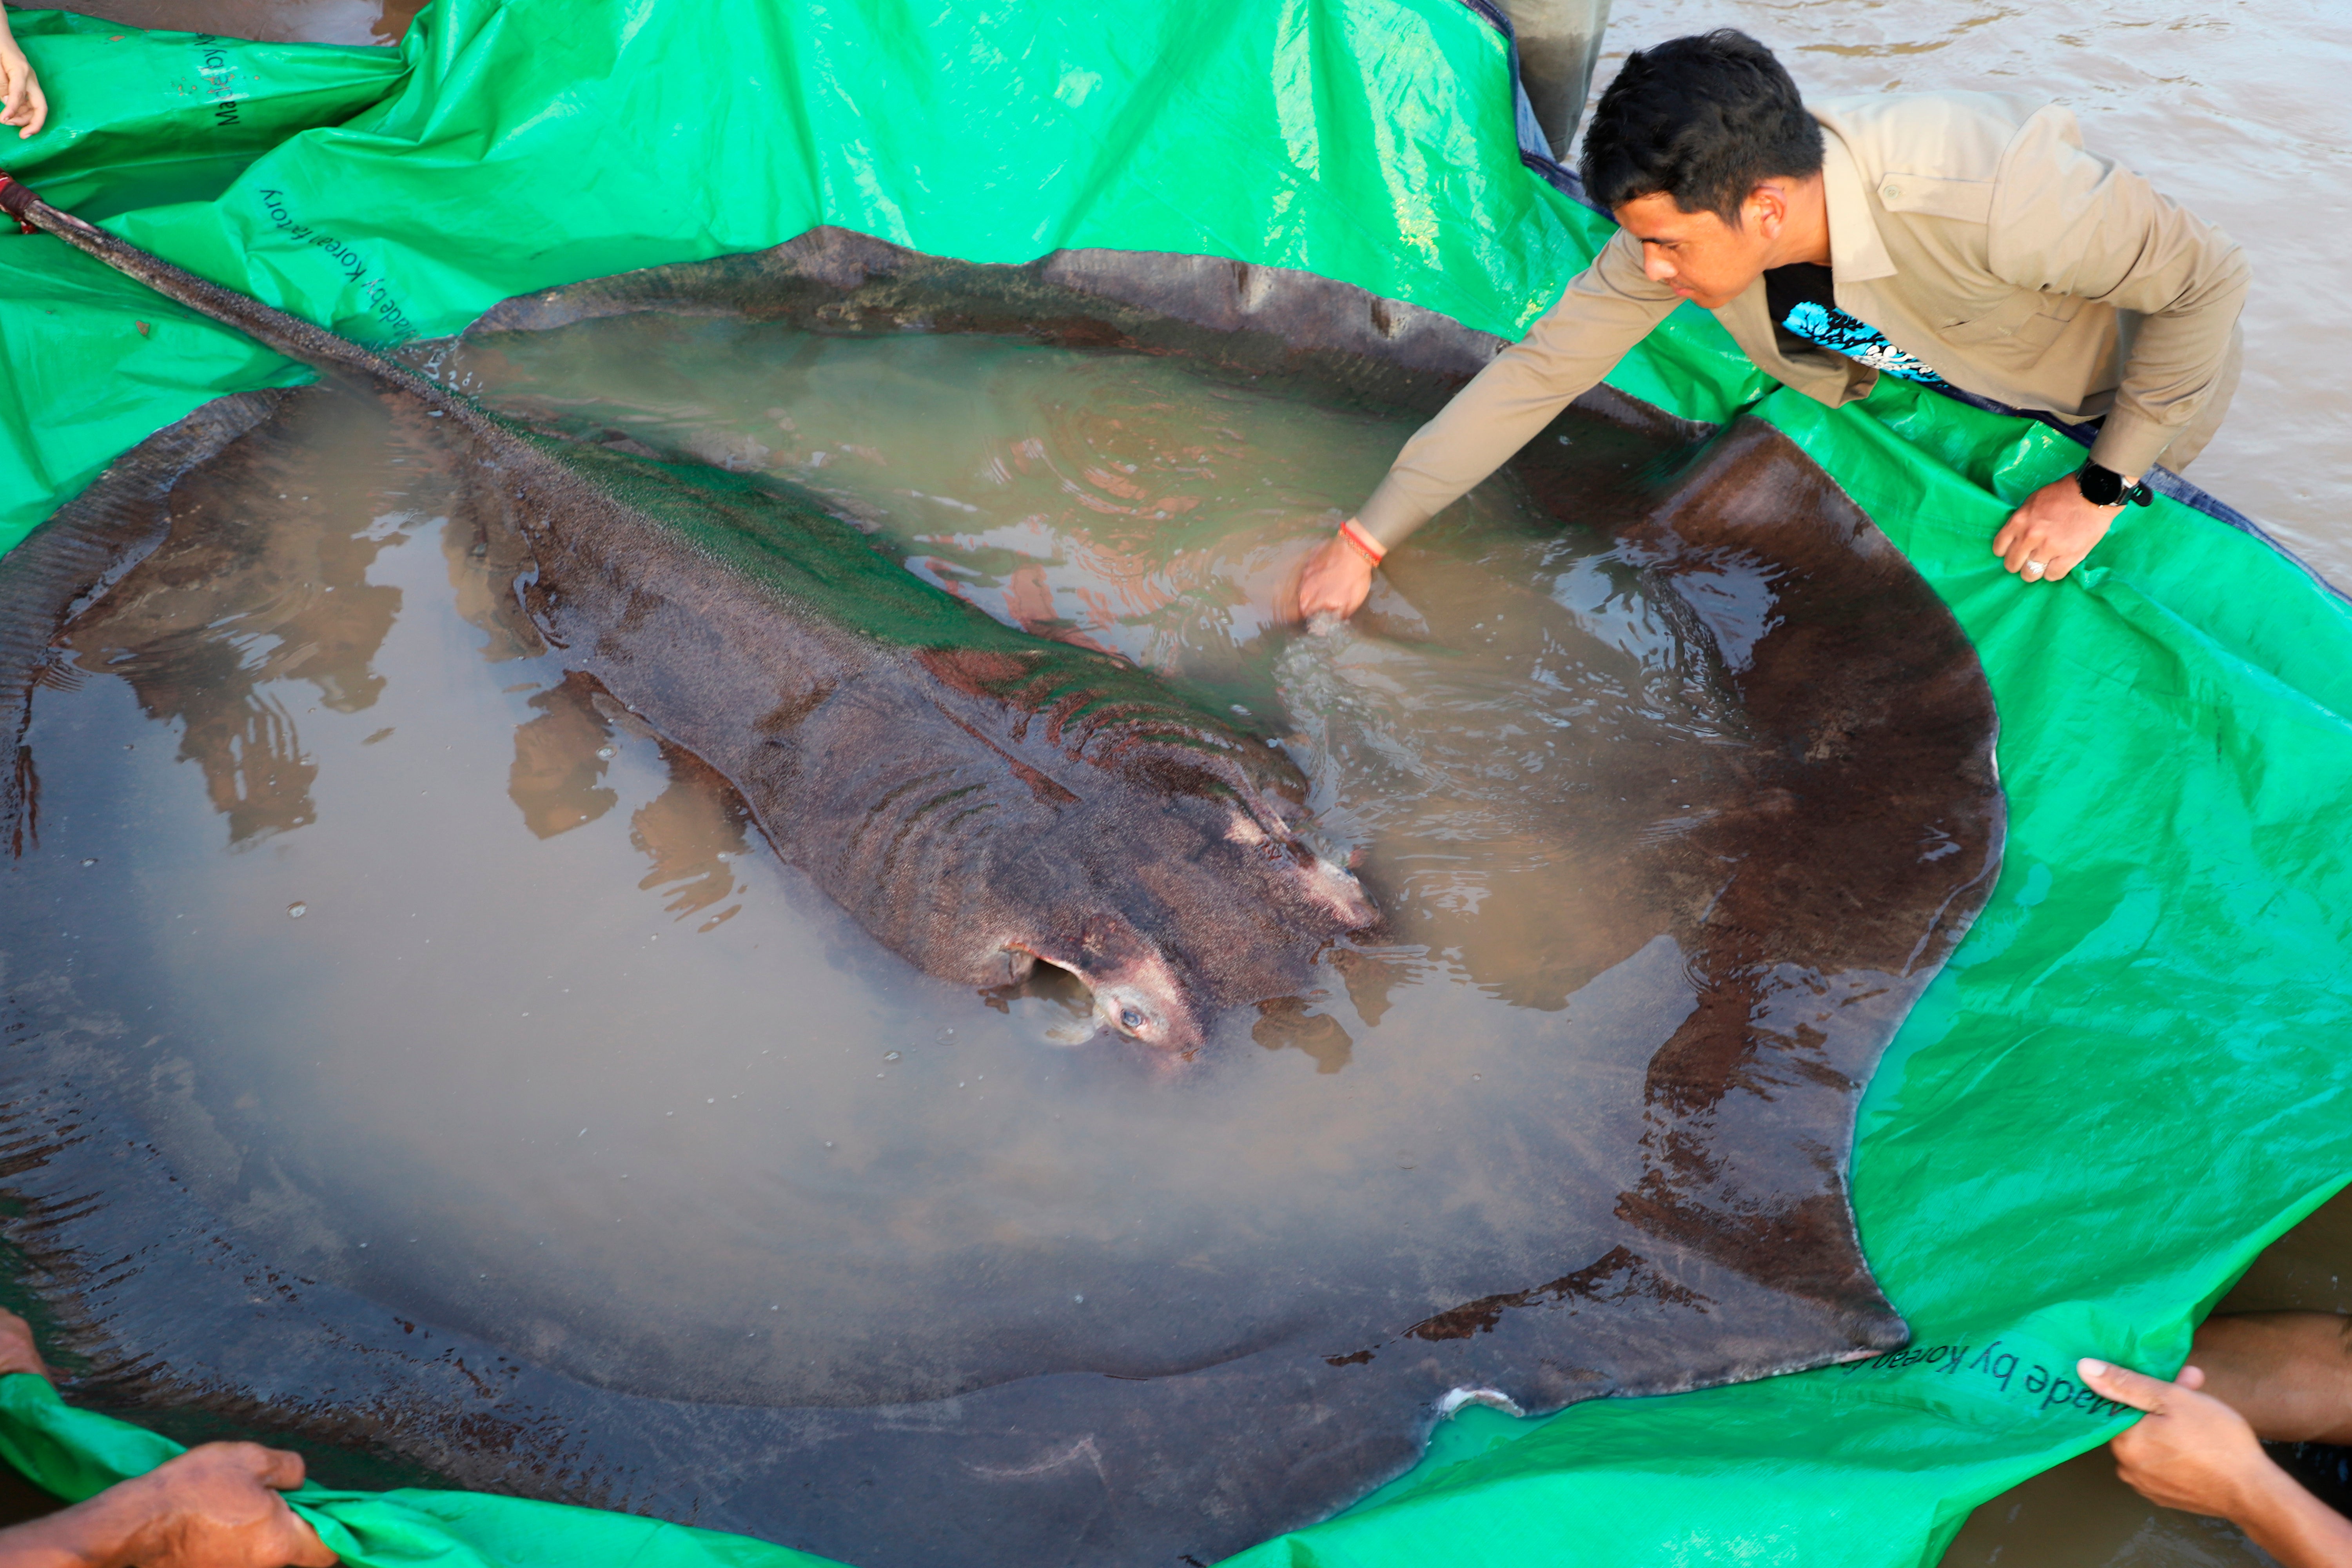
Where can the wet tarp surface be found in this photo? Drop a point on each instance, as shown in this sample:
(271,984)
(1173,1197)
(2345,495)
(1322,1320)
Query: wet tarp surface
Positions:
(2128,1078)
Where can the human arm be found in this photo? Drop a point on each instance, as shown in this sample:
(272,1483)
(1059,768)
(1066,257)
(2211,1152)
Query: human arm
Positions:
(2288,1373)
(21,103)
(212,1507)
(2193,1452)
(17,1350)
(2072,224)
(1610,307)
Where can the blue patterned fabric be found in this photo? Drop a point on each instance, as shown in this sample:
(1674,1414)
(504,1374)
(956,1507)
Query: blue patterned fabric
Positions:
(1856,338)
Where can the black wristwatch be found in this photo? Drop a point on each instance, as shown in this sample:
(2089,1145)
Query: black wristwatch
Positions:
(2104,487)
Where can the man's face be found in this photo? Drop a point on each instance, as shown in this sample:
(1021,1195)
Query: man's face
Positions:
(1703,258)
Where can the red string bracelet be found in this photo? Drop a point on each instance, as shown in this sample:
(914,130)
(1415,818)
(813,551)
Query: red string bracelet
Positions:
(1362,544)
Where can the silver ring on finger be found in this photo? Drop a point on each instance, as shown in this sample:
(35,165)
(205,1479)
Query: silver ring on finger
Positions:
(2034,569)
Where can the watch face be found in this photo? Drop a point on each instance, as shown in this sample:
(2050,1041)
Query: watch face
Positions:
(2100,487)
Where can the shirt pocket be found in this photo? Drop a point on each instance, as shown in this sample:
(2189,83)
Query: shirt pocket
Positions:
(2025,320)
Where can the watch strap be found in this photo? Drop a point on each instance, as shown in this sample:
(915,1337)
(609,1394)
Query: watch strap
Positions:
(2102,486)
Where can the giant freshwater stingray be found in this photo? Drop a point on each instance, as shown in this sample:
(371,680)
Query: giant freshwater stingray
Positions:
(1809,905)
(979,799)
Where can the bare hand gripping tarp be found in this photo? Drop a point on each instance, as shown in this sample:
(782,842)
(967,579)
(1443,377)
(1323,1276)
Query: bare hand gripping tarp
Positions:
(2124,1084)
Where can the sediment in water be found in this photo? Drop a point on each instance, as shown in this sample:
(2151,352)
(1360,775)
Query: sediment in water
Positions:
(1705,1051)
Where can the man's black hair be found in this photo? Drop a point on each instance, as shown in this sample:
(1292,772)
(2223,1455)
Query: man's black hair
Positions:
(1704,119)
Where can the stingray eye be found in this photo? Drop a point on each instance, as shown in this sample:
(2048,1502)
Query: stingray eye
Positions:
(1131,1017)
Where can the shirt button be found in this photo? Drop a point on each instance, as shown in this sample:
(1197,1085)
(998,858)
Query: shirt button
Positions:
(1891,192)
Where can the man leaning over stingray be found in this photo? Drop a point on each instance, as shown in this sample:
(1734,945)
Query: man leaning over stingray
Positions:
(1961,240)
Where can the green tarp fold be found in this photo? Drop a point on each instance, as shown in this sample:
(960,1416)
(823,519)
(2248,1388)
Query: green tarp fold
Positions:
(2131,1076)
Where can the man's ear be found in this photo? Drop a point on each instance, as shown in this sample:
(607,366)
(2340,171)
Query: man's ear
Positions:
(1767,209)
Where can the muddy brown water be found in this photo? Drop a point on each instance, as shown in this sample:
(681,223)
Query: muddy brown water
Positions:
(453,991)
(404,920)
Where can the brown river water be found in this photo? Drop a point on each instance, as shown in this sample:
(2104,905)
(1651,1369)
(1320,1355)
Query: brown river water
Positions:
(356,856)
(2234,108)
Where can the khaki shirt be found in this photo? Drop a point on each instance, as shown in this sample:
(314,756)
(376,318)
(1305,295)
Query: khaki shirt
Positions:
(1971,228)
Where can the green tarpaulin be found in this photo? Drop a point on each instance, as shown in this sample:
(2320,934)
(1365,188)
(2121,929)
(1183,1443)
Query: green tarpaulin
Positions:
(2130,1078)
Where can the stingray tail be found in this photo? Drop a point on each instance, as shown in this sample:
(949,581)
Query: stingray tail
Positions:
(322,350)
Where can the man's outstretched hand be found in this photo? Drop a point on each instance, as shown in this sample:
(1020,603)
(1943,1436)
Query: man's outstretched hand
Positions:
(2049,535)
(2190,1451)
(1335,581)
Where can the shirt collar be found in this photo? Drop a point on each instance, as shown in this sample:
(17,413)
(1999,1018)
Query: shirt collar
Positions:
(1857,253)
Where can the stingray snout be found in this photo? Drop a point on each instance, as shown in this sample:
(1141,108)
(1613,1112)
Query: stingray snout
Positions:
(1305,869)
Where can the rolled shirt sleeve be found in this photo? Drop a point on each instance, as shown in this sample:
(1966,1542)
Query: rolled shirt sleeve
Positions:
(1610,307)
(2068,222)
